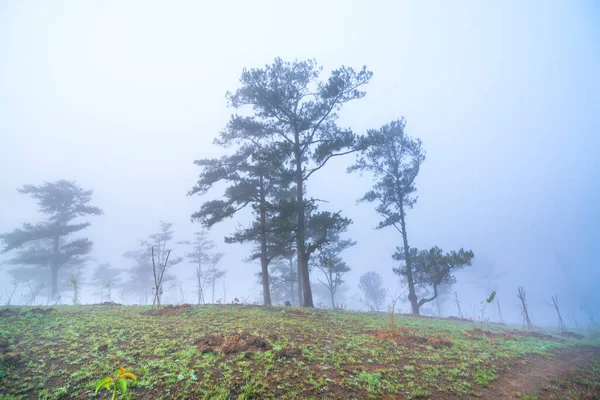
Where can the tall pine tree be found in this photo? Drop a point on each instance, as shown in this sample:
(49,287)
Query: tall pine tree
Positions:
(298,113)
(257,179)
(394,159)
(50,244)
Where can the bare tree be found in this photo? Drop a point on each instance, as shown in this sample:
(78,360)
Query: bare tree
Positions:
(500,319)
(181,294)
(561,323)
(214,274)
(332,265)
(460,313)
(201,257)
(11,294)
(106,277)
(371,284)
(158,278)
(522,298)
(573,317)
(141,276)
(34,291)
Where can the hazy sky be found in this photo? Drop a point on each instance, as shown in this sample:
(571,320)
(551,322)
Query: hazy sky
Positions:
(123,96)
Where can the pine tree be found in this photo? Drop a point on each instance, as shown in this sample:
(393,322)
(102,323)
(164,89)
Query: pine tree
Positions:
(49,245)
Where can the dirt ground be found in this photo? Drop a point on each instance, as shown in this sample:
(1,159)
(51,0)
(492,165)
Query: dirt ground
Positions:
(534,374)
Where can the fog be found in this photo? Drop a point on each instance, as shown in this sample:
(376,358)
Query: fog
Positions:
(122,97)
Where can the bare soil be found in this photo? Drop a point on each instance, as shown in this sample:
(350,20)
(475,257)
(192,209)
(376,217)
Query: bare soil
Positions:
(533,374)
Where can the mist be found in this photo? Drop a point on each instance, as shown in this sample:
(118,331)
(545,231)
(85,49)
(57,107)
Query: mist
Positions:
(123,97)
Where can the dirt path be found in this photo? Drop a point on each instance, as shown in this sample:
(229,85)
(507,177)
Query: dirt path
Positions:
(535,376)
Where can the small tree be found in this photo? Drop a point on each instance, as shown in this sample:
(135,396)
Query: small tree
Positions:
(9,295)
(522,297)
(158,271)
(460,313)
(283,278)
(142,273)
(487,276)
(561,323)
(200,257)
(46,244)
(444,294)
(332,265)
(214,274)
(106,278)
(371,285)
(75,283)
(484,304)
(500,319)
(433,268)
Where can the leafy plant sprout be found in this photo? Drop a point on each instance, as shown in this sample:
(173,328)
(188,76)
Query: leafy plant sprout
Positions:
(486,302)
(120,380)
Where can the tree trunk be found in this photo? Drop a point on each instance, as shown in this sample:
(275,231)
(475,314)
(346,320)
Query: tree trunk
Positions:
(54,281)
(214,280)
(200,283)
(332,298)
(331,289)
(300,297)
(412,296)
(292,287)
(264,263)
(300,236)
(199,277)
(54,268)
(500,319)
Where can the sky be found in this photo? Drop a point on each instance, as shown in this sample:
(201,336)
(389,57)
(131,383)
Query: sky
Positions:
(122,97)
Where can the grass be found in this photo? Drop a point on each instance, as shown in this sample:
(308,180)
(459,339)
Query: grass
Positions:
(246,352)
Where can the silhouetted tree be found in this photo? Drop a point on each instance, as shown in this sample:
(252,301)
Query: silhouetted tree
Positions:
(432,268)
(487,276)
(213,273)
(298,113)
(444,293)
(141,277)
(371,284)
(394,159)
(201,257)
(524,310)
(106,278)
(332,265)
(283,278)
(255,174)
(46,244)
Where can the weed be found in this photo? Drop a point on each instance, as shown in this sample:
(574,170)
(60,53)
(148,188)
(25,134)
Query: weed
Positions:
(484,376)
(371,379)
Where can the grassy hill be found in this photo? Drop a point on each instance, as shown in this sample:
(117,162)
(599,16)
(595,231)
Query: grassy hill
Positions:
(250,352)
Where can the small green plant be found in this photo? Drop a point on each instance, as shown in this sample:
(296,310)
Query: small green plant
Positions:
(371,379)
(120,380)
(392,309)
(76,287)
(486,302)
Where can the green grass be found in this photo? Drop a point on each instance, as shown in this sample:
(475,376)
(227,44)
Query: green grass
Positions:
(291,353)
